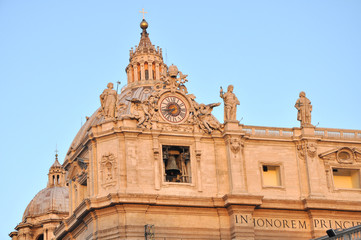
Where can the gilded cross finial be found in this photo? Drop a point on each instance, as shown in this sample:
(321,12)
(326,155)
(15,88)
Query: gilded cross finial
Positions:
(56,152)
(143,12)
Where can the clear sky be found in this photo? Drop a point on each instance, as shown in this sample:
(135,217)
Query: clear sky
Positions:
(56,57)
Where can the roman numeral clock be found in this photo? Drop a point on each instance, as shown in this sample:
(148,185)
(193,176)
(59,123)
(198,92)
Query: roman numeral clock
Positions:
(174,108)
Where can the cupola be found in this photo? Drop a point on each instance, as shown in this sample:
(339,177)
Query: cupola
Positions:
(146,64)
(56,174)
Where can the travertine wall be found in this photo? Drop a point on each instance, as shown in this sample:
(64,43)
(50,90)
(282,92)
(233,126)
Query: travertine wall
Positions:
(226,198)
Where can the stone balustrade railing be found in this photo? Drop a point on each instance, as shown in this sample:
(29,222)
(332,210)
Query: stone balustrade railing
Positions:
(290,132)
(268,131)
(337,133)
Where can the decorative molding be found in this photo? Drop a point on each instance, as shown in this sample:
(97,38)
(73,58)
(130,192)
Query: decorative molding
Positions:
(311,150)
(300,151)
(343,155)
(108,170)
(235,144)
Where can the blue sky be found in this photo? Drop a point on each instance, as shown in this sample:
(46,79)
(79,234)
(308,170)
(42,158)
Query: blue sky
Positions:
(56,57)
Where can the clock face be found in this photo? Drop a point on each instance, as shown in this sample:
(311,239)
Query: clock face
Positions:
(173,109)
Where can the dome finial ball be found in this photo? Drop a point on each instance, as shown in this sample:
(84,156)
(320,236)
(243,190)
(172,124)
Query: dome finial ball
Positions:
(144,24)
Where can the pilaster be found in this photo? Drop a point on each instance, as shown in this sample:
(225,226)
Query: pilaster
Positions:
(240,209)
(157,75)
(150,70)
(131,159)
(308,152)
(157,164)
(198,153)
(142,71)
(135,73)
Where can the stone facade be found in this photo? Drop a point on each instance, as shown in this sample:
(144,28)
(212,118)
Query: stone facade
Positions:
(157,161)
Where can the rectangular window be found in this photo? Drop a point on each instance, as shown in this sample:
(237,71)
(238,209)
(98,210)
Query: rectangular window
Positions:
(271,176)
(177,167)
(346,178)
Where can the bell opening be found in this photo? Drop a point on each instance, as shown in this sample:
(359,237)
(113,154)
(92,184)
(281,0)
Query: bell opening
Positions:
(177,166)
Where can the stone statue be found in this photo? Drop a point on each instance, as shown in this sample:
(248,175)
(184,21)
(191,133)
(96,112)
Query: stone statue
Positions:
(108,101)
(207,119)
(140,110)
(304,108)
(230,104)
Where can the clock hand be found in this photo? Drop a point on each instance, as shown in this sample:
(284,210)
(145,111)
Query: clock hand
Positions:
(169,109)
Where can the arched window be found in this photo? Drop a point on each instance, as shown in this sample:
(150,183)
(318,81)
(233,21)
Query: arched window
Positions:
(153,70)
(146,71)
(40,237)
(138,68)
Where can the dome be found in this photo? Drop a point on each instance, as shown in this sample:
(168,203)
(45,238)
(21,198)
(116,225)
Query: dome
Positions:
(48,200)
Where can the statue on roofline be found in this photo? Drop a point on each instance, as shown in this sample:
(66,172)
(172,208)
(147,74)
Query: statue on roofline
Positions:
(304,107)
(230,104)
(108,101)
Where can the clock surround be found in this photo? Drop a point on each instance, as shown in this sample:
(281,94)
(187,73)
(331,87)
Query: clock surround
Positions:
(173,108)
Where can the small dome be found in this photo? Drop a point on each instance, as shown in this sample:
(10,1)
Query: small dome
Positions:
(48,200)
(56,164)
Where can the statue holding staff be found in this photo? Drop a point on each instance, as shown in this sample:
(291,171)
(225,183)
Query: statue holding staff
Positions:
(108,101)
(230,104)
(304,107)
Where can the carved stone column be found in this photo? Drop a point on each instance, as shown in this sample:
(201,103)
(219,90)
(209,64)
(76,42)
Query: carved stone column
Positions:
(135,68)
(142,71)
(129,76)
(150,70)
(157,74)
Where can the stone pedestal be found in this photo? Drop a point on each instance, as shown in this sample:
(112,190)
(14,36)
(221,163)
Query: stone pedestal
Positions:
(308,131)
(232,126)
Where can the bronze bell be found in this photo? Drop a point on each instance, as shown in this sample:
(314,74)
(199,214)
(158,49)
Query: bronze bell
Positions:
(172,168)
